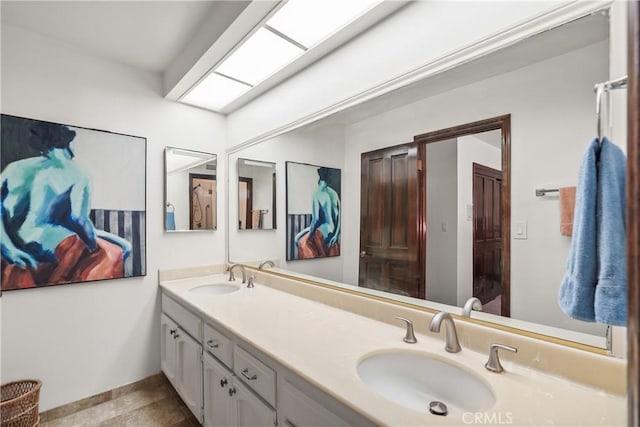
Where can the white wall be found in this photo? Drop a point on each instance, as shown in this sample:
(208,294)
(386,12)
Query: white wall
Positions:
(470,150)
(83,339)
(552,118)
(416,35)
(316,145)
(442,227)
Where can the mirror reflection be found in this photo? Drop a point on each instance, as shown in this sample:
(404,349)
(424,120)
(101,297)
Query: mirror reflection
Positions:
(256,195)
(425,215)
(190,190)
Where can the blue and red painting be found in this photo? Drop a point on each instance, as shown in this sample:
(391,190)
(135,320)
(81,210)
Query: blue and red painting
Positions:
(72,204)
(313,211)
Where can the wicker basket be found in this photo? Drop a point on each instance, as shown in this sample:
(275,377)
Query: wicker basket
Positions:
(19,403)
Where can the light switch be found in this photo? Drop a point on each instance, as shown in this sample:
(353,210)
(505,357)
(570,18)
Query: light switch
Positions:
(469,212)
(520,230)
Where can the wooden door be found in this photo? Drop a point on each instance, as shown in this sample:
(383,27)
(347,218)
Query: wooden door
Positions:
(245,203)
(391,258)
(487,238)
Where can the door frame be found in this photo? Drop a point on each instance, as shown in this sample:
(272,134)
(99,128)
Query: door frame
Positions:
(503,123)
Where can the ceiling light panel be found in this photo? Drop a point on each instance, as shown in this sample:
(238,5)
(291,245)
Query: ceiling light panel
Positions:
(258,57)
(310,21)
(214,92)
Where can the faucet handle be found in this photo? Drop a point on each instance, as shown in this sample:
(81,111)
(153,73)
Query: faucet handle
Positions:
(409,336)
(250,282)
(493,364)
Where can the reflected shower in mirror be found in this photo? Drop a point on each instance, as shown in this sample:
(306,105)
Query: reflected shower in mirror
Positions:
(190,190)
(469,223)
(256,195)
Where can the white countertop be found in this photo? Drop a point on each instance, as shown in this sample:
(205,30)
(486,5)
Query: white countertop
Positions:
(323,345)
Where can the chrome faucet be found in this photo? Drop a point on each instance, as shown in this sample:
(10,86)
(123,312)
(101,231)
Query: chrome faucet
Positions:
(472,303)
(493,364)
(409,336)
(266,262)
(232,277)
(451,344)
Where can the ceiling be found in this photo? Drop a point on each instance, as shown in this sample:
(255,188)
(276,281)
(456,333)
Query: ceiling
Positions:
(181,40)
(143,34)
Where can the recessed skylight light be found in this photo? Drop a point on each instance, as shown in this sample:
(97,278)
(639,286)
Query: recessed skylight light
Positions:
(310,21)
(258,57)
(214,92)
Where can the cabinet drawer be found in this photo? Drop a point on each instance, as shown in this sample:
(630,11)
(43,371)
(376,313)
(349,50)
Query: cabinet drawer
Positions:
(254,373)
(218,345)
(188,321)
(298,409)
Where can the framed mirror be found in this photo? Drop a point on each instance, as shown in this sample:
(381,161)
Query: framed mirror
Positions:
(478,223)
(257,207)
(190,195)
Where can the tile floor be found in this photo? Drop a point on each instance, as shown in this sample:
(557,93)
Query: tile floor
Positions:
(151,402)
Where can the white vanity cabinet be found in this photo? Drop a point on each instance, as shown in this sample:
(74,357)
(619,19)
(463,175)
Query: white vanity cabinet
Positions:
(226,382)
(181,354)
(228,402)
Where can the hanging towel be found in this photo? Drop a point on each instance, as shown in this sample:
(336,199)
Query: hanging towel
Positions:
(567,205)
(577,292)
(611,289)
(594,287)
(170,220)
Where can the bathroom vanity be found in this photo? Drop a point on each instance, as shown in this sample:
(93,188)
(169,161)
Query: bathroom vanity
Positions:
(289,353)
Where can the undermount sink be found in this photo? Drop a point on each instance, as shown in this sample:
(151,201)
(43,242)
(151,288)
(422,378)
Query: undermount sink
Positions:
(414,380)
(215,289)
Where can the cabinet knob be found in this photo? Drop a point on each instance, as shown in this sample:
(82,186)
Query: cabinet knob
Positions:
(223,382)
(175,336)
(172,331)
(232,391)
(211,344)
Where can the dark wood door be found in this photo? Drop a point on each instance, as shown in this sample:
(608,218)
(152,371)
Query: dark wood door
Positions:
(487,237)
(391,258)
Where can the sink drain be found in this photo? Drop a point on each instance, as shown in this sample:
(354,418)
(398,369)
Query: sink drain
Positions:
(438,408)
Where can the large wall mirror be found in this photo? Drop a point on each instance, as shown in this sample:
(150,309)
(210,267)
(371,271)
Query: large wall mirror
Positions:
(439,181)
(190,197)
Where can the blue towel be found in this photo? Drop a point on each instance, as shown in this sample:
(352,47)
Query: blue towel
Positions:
(170,221)
(611,289)
(594,287)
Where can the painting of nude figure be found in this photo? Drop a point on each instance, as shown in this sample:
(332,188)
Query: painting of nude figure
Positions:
(313,211)
(72,204)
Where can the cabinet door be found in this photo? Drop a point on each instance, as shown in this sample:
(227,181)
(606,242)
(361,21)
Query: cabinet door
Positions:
(249,410)
(189,372)
(298,409)
(218,410)
(168,328)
